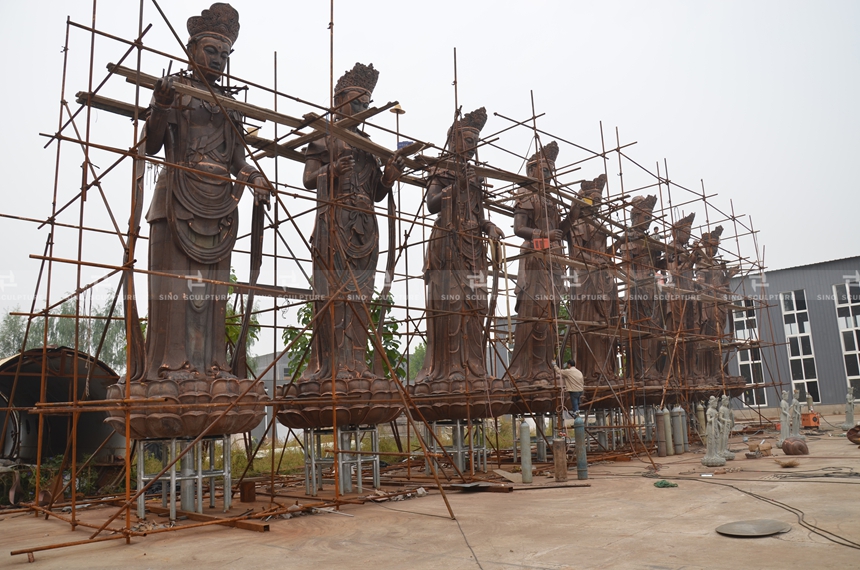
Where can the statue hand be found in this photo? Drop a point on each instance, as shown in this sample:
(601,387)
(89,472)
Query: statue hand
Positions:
(393,169)
(555,235)
(164,91)
(470,171)
(343,166)
(495,233)
(262,195)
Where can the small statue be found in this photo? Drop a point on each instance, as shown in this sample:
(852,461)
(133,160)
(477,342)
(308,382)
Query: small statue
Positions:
(727,421)
(795,415)
(849,410)
(784,419)
(711,458)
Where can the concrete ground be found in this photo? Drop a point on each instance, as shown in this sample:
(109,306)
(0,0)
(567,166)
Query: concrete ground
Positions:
(621,521)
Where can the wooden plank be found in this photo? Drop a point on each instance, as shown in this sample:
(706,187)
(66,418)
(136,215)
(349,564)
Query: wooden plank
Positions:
(345,122)
(246,524)
(512,477)
(276,291)
(109,105)
(252,111)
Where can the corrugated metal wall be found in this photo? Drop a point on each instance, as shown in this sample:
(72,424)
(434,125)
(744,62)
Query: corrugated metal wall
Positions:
(817,280)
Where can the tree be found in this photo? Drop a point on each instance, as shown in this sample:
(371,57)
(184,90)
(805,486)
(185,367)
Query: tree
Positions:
(61,332)
(234,314)
(390,340)
(11,334)
(416,361)
(297,358)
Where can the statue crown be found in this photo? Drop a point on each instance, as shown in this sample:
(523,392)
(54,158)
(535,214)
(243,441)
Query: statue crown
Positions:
(361,76)
(685,222)
(221,19)
(474,120)
(644,203)
(549,152)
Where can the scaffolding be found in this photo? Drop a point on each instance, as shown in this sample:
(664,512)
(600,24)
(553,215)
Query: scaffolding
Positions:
(620,404)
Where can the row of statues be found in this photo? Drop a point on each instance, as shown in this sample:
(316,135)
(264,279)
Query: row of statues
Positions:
(720,421)
(790,417)
(194,223)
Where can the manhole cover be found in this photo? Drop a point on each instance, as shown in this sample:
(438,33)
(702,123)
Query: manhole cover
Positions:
(762,527)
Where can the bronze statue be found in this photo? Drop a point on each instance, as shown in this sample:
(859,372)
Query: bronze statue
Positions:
(641,255)
(594,291)
(712,281)
(345,251)
(453,382)
(539,286)
(678,292)
(194,222)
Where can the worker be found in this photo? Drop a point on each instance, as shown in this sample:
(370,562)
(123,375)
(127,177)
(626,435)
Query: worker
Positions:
(573,384)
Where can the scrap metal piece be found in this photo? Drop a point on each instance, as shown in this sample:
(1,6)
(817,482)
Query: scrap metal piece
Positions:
(754,528)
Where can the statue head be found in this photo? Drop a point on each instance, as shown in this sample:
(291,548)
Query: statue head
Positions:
(593,189)
(541,165)
(464,134)
(712,402)
(354,88)
(711,240)
(682,228)
(641,209)
(211,38)
(785,395)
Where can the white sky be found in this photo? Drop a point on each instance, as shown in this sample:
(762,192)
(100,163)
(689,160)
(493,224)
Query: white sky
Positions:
(757,99)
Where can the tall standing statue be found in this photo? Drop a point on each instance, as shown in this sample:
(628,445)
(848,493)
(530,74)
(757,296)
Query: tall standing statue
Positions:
(712,457)
(679,308)
(640,258)
(713,279)
(796,413)
(849,410)
(453,382)
(345,250)
(194,222)
(727,422)
(784,419)
(594,291)
(539,286)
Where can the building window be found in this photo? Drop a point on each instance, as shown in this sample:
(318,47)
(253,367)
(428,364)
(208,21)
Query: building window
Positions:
(749,359)
(801,356)
(847,297)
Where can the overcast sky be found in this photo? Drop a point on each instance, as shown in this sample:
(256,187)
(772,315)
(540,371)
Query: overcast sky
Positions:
(756,99)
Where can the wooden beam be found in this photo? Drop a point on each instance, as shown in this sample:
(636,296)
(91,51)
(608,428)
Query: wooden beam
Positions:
(246,524)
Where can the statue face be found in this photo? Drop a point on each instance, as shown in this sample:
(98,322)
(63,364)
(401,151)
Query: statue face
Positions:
(211,55)
(355,106)
(540,171)
(464,143)
(640,217)
(681,234)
